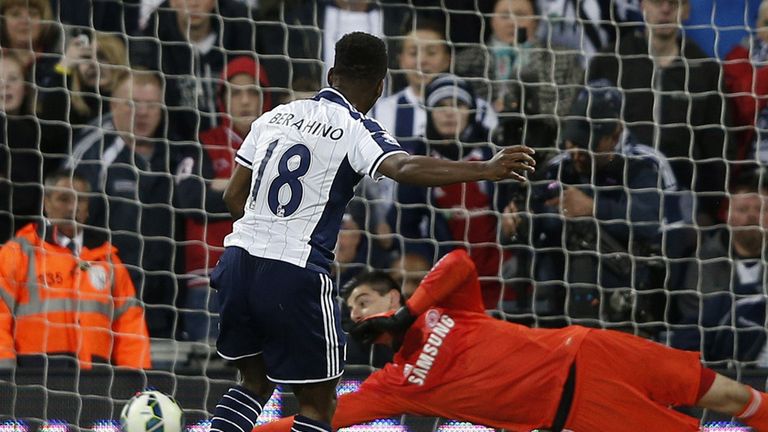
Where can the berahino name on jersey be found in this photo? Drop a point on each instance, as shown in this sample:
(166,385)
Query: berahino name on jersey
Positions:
(311,127)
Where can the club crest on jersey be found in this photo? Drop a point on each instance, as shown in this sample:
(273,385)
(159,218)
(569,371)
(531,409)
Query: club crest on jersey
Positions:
(431,318)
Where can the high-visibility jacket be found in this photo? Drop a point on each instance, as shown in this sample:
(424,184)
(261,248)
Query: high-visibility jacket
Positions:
(52,301)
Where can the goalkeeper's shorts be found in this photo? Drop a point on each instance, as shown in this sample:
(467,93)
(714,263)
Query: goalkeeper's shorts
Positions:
(284,312)
(627,383)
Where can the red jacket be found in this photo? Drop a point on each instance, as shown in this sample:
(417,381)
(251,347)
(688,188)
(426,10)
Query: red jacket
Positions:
(457,362)
(748,91)
(54,302)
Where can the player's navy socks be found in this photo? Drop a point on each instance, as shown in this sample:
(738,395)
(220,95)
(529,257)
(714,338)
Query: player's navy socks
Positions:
(237,411)
(306,424)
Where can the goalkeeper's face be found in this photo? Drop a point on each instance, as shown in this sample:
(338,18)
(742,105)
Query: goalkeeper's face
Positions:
(365,301)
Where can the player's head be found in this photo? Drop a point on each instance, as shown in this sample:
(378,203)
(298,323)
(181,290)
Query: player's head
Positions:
(359,69)
(372,293)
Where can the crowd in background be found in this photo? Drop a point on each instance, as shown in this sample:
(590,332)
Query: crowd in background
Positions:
(653,222)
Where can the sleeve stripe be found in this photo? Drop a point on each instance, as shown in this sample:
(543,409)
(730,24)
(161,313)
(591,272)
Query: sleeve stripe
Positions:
(243,161)
(381,158)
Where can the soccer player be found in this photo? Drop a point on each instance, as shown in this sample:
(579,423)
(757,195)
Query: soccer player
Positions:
(296,172)
(457,362)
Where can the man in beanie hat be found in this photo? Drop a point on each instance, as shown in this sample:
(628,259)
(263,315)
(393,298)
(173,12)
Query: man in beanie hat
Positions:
(607,194)
(453,132)
(241,100)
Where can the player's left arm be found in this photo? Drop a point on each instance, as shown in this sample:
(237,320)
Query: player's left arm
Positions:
(236,193)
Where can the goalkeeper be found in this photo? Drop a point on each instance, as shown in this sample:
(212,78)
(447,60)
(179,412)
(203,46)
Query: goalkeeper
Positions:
(456,362)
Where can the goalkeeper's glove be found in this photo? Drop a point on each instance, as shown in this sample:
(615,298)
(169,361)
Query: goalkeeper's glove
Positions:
(383,328)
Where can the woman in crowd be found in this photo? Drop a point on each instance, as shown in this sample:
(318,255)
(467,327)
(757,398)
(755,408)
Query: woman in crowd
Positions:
(25,30)
(21,163)
(522,75)
(79,88)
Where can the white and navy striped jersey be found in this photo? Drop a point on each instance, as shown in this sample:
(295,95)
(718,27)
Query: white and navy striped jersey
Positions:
(307,156)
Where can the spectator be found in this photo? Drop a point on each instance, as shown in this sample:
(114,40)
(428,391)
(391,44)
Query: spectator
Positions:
(423,55)
(586,26)
(190,42)
(104,16)
(25,29)
(599,214)
(241,101)
(339,17)
(722,307)
(746,79)
(525,75)
(129,164)
(81,301)
(408,270)
(80,87)
(288,41)
(351,251)
(24,156)
(674,100)
(467,218)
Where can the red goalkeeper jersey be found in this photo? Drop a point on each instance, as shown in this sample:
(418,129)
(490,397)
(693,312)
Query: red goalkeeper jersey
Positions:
(457,362)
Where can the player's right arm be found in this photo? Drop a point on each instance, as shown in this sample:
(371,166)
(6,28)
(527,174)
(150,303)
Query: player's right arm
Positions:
(509,163)
(236,193)
(452,283)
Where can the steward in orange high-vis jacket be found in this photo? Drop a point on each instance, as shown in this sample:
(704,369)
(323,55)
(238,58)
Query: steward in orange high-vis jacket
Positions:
(68,294)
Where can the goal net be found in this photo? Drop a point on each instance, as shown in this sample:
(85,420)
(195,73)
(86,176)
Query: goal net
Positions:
(646,213)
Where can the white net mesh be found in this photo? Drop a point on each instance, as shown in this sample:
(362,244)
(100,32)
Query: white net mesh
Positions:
(655,226)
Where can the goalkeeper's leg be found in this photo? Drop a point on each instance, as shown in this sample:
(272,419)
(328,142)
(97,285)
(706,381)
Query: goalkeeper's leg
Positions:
(735,399)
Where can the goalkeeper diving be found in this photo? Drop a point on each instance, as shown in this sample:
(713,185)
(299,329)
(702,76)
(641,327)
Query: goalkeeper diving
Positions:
(454,361)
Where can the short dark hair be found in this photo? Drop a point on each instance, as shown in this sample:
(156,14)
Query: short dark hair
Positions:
(361,56)
(749,181)
(429,21)
(379,281)
(58,175)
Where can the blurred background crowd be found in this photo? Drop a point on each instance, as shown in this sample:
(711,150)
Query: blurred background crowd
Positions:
(119,121)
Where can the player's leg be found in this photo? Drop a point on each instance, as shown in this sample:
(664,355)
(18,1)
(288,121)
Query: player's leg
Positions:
(240,342)
(304,342)
(739,400)
(317,401)
(617,390)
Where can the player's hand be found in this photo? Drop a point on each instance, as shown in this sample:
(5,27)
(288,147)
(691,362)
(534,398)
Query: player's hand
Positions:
(382,328)
(511,162)
(574,202)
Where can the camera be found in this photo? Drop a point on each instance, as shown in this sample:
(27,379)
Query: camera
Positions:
(546,191)
(80,34)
